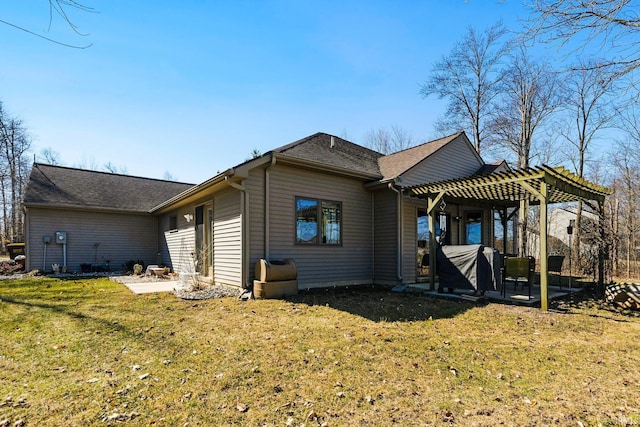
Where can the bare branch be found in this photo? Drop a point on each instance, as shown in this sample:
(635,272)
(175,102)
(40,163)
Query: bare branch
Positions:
(610,27)
(59,7)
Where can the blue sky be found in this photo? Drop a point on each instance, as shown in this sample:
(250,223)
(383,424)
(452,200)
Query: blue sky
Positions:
(192,87)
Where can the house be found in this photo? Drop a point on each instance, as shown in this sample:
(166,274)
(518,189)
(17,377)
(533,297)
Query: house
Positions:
(105,217)
(338,209)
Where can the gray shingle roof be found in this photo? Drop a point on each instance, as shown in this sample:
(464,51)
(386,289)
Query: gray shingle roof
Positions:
(61,186)
(344,154)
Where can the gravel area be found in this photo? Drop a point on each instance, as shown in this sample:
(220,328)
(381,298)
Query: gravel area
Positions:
(207,291)
(211,291)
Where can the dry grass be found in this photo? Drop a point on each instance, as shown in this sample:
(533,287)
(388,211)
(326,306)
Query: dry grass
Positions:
(89,352)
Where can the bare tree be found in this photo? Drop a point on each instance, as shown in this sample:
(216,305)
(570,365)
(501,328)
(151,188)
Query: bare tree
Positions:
(626,161)
(611,27)
(389,141)
(14,169)
(113,168)
(469,78)
(88,163)
(50,156)
(530,96)
(588,111)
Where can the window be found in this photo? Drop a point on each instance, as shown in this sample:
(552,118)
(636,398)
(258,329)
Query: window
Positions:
(443,227)
(318,222)
(173,222)
(331,213)
(473,227)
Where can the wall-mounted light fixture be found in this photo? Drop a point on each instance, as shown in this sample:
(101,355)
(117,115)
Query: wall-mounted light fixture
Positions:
(188,217)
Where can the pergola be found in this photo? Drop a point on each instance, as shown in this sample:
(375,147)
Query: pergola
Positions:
(542,185)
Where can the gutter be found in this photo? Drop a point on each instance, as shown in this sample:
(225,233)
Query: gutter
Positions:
(244,241)
(400,230)
(195,189)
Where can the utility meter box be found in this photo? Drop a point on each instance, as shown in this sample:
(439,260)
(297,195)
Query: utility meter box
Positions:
(61,237)
(46,240)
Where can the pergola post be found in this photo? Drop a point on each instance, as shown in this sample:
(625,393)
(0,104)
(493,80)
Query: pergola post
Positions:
(432,203)
(601,246)
(544,268)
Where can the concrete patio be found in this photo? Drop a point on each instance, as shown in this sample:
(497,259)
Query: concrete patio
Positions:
(513,295)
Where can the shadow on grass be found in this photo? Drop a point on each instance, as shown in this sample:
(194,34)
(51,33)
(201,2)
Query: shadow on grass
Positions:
(381,304)
(47,294)
(592,303)
(66,309)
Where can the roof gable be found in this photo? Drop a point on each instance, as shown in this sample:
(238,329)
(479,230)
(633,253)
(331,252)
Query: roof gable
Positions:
(331,150)
(59,186)
(495,167)
(403,162)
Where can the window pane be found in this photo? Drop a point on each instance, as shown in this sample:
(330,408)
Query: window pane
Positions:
(423,229)
(306,221)
(474,228)
(331,219)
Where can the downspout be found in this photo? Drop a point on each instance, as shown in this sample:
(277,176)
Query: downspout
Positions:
(27,236)
(244,211)
(373,237)
(267,206)
(400,230)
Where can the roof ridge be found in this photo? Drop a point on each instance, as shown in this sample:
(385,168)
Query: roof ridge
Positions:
(452,136)
(317,134)
(38,164)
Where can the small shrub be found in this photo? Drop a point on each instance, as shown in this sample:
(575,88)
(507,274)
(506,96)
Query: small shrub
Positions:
(129,264)
(137,269)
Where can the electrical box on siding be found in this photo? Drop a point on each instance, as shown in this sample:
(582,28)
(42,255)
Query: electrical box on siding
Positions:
(61,237)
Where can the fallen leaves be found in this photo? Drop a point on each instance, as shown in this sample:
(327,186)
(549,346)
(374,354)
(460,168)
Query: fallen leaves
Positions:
(14,403)
(125,416)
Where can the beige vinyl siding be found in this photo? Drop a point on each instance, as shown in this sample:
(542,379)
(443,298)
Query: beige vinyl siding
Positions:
(176,246)
(227,238)
(120,238)
(455,160)
(386,237)
(318,265)
(255,187)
